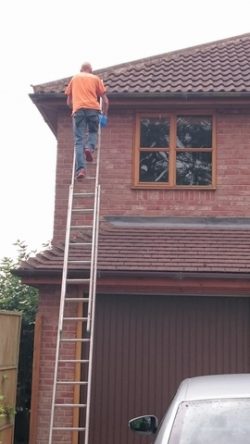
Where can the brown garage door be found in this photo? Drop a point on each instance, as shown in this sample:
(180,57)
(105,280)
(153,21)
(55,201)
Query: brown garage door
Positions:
(145,345)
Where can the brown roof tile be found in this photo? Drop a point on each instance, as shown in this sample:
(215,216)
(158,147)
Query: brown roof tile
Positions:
(221,67)
(160,248)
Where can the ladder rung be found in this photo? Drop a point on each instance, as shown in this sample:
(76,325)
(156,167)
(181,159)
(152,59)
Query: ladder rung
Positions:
(79,262)
(78,281)
(75,319)
(89,178)
(83,361)
(72,382)
(80,244)
(80,227)
(75,340)
(79,429)
(82,210)
(87,194)
(71,405)
(76,299)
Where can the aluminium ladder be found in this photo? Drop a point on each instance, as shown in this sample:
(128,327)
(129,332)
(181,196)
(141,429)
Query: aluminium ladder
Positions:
(63,400)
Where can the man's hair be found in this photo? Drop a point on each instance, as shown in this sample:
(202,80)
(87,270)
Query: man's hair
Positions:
(86,66)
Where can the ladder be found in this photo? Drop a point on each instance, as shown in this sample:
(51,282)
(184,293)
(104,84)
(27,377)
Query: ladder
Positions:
(71,394)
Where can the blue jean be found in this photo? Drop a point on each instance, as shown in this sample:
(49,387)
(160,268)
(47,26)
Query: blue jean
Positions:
(85,132)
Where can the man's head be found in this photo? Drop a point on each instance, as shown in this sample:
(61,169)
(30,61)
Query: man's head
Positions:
(86,67)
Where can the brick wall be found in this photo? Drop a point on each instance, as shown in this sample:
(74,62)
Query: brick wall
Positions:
(230,199)
(48,308)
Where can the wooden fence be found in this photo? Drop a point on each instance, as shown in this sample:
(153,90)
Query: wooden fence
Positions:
(10,326)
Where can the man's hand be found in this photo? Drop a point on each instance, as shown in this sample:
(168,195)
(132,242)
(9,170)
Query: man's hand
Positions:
(103,120)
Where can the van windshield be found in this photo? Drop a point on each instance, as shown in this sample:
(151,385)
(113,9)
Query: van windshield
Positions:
(224,421)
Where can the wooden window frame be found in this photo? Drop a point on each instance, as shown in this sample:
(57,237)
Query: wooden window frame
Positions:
(171,184)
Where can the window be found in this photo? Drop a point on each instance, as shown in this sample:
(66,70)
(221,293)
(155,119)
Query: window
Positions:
(175,150)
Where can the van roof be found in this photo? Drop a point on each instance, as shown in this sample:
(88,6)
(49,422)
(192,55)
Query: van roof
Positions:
(215,387)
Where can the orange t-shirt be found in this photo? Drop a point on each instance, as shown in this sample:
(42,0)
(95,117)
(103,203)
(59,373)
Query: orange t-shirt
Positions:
(85,89)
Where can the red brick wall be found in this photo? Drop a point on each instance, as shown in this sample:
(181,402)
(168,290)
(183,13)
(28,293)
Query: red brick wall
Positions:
(230,199)
(48,308)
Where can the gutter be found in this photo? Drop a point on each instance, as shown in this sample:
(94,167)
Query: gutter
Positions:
(102,274)
(40,97)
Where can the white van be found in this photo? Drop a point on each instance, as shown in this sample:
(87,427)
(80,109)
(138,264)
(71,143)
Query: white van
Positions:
(212,409)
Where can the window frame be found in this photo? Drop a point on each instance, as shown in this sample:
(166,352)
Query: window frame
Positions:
(172,150)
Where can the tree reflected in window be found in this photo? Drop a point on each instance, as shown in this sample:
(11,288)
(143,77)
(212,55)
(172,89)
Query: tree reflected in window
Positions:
(194,169)
(154,133)
(154,166)
(194,132)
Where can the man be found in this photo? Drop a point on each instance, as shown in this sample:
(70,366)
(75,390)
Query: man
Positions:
(83,96)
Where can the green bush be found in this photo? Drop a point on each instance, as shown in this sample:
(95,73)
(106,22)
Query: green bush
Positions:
(15,296)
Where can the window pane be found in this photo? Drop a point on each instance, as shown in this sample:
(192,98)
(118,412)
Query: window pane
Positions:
(154,132)
(193,168)
(153,166)
(194,132)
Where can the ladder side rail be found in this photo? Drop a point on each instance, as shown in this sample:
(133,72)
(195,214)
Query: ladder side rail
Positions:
(95,215)
(90,369)
(92,267)
(66,247)
(62,299)
(96,249)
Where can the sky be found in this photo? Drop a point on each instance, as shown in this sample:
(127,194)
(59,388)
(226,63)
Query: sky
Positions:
(47,40)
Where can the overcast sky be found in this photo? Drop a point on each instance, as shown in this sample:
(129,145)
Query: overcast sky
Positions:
(46,40)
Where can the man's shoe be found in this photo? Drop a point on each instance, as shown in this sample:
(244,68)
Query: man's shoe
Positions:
(81,174)
(88,155)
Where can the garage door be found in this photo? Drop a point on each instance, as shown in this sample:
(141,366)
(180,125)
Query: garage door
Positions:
(146,345)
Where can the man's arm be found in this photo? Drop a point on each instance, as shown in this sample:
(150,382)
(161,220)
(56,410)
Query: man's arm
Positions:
(105,104)
(68,92)
(69,100)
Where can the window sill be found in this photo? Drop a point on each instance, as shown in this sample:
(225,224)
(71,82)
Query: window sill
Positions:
(173,188)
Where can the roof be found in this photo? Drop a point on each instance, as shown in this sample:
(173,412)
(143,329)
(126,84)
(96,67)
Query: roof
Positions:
(159,245)
(216,386)
(218,67)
